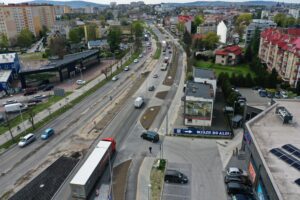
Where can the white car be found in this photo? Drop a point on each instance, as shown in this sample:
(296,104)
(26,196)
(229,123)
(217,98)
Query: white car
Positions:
(126,68)
(234,171)
(10,102)
(27,139)
(115,78)
(80,82)
(136,60)
(141,55)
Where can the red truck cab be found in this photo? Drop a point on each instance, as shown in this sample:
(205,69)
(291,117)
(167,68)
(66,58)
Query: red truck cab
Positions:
(113,142)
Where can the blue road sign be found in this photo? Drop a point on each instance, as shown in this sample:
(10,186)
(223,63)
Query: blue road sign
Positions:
(195,131)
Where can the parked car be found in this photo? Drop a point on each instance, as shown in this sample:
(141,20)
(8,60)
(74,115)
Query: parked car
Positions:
(80,82)
(243,197)
(136,60)
(174,176)
(151,88)
(234,171)
(30,91)
(126,68)
(238,179)
(262,93)
(283,94)
(270,95)
(237,188)
(150,136)
(10,102)
(27,139)
(115,78)
(40,96)
(48,87)
(155,76)
(141,55)
(34,100)
(257,88)
(47,133)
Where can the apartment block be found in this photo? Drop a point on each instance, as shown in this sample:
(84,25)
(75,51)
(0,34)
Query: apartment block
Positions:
(280,50)
(16,17)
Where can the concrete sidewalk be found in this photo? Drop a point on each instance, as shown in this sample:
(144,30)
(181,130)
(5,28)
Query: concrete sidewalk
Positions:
(144,178)
(43,114)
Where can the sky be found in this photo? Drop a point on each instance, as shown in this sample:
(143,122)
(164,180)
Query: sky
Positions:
(148,1)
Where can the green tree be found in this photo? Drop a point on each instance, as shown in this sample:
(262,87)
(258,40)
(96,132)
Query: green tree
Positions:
(279,19)
(211,39)
(273,78)
(25,38)
(289,21)
(43,32)
(57,46)
(138,30)
(181,27)
(109,16)
(91,31)
(3,41)
(198,20)
(114,38)
(187,38)
(244,18)
(76,34)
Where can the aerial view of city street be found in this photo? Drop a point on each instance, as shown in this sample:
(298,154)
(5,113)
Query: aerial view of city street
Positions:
(149,100)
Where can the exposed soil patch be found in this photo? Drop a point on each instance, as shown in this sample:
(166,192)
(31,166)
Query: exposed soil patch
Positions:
(161,95)
(149,116)
(120,179)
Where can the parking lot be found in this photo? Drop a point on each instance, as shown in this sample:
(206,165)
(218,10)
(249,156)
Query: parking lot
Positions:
(178,191)
(200,161)
(253,98)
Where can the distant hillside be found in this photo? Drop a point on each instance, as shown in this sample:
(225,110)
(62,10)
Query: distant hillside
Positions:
(72,4)
(225,3)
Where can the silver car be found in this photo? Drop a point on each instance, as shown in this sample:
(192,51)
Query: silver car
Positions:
(27,139)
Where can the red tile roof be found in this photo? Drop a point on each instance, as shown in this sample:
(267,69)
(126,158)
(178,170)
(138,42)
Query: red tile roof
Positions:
(287,40)
(230,49)
(185,18)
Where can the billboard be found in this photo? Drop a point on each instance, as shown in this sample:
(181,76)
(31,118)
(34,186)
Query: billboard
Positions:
(198,109)
(252,172)
(194,131)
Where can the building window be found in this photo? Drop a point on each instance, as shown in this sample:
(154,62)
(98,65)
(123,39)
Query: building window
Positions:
(190,120)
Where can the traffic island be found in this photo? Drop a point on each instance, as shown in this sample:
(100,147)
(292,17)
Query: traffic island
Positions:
(149,116)
(120,175)
(161,95)
(170,77)
(157,178)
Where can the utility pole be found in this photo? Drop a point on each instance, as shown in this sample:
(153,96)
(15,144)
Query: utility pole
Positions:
(9,127)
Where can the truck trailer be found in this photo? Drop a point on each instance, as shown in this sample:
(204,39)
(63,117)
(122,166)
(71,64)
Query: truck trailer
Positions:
(92,169)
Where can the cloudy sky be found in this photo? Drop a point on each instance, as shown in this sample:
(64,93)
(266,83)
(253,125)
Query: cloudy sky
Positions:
(147,1)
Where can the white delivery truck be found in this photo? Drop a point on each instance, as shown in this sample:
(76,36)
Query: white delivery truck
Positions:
(138,102)
(15,107)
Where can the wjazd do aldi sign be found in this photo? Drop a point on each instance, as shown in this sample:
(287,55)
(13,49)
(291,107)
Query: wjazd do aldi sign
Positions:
(198,132)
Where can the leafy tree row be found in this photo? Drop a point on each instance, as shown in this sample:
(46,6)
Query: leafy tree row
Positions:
(283,20)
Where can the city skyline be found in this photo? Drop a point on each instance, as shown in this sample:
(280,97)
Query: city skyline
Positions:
(150,1)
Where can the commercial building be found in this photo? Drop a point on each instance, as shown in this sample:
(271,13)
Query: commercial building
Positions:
(205,76)
(198,104)
(16,17)
(294,13)
(280,50)
(271,143)
(209,25)
(259,24)
(229,55)
(9,69)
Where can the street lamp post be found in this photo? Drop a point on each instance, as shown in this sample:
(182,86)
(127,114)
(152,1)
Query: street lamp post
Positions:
(22,118)
(149,192)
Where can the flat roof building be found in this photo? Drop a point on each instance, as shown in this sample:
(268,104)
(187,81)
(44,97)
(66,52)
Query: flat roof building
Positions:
(198,104)
(205,76)
(272,146)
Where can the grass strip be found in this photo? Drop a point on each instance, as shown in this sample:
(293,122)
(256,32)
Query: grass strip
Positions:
(157,178)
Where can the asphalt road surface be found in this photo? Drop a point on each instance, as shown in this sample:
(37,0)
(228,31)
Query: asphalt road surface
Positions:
(16,162)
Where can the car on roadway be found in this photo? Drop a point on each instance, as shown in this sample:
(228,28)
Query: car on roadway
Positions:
(155,76)
(47,133)
(151,88)
(141,55)
(115,78)
(136,60)
(237,188)
(234,171)
(126,68)
(10,102)
(80,82)
(174,176)
(27,139)
(150,136)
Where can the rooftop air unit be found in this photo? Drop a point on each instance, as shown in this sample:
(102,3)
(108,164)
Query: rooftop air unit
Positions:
(284,114)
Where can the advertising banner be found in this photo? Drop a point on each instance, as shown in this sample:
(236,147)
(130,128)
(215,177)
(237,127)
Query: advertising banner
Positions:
(194,131)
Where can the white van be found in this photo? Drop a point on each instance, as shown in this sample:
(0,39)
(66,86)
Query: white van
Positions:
(138,102)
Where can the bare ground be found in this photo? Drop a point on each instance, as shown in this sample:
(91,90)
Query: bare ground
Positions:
(161,95)
(149,116)
(119,179)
